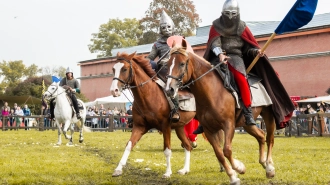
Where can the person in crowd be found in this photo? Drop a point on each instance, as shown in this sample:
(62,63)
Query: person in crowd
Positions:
(11,118)
(5,114)
(27,112)
(72,86)
(5,106)
(320,105)
(46,113)
(91,112)
(108,113)
(231,42)
(18,112)
(102,113)
(130,113)
(159,49)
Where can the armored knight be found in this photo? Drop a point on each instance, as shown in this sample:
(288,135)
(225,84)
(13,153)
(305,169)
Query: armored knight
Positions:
(228,33)
(159,49)
(71,85)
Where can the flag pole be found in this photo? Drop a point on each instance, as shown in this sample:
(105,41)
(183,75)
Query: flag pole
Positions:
(262,50)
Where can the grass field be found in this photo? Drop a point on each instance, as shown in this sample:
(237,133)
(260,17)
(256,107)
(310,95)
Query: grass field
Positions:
(29,157)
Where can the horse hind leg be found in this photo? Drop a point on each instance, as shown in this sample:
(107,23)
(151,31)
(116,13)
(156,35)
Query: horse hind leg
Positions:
(270,127)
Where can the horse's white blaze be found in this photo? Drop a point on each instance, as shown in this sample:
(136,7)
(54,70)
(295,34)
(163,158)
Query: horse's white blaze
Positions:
(114,85)
(170,73)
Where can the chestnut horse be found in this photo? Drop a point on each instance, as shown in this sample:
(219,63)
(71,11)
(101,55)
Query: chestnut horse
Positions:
(150,108)
(216,110)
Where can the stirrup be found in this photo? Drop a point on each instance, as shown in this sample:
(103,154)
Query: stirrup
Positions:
(175,116)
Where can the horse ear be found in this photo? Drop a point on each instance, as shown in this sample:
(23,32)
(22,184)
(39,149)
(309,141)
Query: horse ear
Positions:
(184,43)
(131,55)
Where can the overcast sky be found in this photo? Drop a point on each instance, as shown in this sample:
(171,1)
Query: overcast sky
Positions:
(57,32)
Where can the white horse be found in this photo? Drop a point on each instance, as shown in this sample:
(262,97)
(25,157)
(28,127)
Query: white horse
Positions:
(64,113)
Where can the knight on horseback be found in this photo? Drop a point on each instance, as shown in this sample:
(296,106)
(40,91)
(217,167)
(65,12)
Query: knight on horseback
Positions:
(72,86)
(160,49)
(230,41)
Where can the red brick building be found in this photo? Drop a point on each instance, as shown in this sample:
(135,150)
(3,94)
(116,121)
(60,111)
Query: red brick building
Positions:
(301,58)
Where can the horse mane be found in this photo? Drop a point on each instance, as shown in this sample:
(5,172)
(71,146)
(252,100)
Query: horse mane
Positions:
(183,51)
(143,63)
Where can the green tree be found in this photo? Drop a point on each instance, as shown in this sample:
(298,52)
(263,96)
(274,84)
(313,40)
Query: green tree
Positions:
(32,71)
(182,12)
(115,34)
(12,72)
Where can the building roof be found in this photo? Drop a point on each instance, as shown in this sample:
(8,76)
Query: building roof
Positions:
(258,29)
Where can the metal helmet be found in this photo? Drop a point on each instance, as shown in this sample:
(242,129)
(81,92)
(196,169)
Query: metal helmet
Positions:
(230,9)
(68,70)
(166,25)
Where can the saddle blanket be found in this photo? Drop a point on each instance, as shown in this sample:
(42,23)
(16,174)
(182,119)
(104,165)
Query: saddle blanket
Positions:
(260,96)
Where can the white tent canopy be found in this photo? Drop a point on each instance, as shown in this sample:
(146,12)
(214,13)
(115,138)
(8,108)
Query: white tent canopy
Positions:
(325,99)
(114,101)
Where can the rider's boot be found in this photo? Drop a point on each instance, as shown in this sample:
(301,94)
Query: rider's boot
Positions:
(199,130)
(51,109)
(75,105)
(174,115)
(248,115)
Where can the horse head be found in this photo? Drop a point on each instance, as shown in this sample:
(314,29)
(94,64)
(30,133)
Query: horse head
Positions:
(52,91)
(123,73)
(179,70)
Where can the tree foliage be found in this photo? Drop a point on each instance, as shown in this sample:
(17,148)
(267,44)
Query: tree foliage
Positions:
(182,12)
(48,72)
(115,34)
(13,72)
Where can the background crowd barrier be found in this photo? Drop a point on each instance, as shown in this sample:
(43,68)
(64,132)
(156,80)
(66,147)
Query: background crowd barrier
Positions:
(301,125)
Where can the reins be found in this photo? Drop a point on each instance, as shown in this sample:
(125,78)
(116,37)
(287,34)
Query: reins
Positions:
(179,78)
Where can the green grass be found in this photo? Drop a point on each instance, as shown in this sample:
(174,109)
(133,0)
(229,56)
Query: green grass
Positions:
(29,157)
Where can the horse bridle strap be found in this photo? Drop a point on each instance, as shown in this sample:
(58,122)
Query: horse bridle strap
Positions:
(130,73)
(126,84)
(51,94)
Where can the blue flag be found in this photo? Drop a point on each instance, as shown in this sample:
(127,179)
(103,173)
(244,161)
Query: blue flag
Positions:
(300,14)
(56,79)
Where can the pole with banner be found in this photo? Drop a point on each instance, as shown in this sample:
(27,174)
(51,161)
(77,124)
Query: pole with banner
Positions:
(299,15)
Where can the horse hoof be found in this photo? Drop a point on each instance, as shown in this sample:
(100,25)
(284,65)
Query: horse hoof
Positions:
(117,173)
(69,144)
(57,144)
(194,144)
(270,174)
(183,172)
(237,182)
(80,141)
(166,176)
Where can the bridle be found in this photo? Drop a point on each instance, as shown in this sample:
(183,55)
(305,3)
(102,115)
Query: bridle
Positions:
(52,93)
(130,77)
(180,77)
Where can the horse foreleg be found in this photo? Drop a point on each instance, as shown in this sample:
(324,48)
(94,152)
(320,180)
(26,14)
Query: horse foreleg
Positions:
(227,150)
(260,137)
(214,140)
(187,150)
(59,142)
(137,133)
(65,129)
(167,151)
(70,143)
